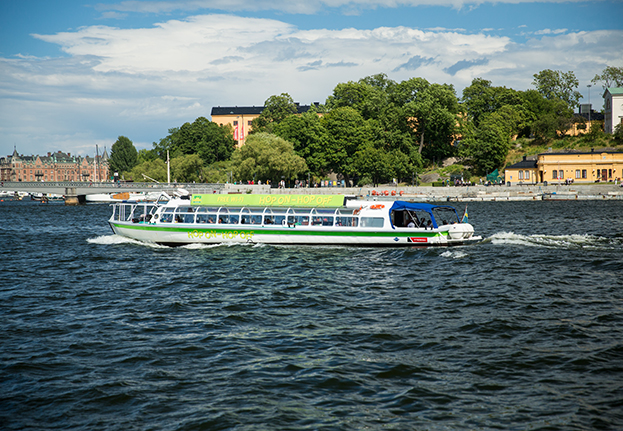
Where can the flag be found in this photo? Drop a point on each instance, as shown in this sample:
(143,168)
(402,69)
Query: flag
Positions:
(465,216)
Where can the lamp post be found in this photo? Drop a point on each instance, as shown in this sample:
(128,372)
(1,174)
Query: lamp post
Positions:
(589,105)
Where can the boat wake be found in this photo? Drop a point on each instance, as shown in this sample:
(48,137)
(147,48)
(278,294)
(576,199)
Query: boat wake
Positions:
(454,254)
(118,239)
(570,242)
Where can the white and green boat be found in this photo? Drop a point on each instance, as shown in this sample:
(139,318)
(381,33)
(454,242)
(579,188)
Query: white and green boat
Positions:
(290,220)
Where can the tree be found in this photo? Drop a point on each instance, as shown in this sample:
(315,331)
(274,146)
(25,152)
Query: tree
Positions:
(431,112)
(309,137)
(555,84)
(373,162)
(155,169)
(123,155)
(276,109)
(212,142)
(610,77)
(368,96)
(347,132)
(267,157)
(187,168)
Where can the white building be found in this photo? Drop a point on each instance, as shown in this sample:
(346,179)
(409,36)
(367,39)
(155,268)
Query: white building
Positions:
(613,102)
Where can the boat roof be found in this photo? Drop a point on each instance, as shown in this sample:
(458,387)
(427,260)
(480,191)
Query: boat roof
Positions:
(284,201)
(417,206)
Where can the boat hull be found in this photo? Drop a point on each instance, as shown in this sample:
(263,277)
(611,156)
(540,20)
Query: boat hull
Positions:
(181,234)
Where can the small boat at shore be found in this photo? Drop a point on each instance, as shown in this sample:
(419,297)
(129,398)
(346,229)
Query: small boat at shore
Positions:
(289,219)
(122,197)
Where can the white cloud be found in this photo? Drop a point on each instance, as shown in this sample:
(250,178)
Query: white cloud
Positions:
(141,82)
(349,7)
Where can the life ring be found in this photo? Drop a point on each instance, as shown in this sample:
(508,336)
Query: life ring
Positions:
(393,192)
(355,212)
(373,192)
(386,193)
(401,192)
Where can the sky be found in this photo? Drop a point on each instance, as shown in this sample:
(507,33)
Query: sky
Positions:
(76,74)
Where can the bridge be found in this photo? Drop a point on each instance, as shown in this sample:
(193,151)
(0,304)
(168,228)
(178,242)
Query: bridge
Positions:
(82,188)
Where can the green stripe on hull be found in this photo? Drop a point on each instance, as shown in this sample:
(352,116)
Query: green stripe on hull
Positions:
(199,232)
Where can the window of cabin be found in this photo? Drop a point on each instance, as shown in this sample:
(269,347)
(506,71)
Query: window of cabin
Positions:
(577,173)
(554,175)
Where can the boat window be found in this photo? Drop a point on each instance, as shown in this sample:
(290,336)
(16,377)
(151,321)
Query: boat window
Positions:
(322,220)
(346,221)
(167,215)
(348,211)
(206,218)
(445,216)
(372,222)
(279,219)
(299,220)
(185,215)
(245,219)
(256,219)
(302,211)
(233,219)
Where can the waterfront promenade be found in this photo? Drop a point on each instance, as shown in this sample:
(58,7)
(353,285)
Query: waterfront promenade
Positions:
(421,193)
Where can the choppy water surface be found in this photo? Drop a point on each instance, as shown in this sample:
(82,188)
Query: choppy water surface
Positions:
(522,331)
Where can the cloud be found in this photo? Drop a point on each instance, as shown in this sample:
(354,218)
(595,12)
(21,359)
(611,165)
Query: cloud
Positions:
(464,64)
(347,7)
(414,63)
(141,82)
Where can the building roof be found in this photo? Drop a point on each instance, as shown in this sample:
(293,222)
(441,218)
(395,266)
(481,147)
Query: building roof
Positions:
(250,110)
(593,151)
(615,91)
(526,163)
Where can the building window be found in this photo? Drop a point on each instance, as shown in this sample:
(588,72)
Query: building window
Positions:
(235,123)
(554,175)
(584,173)
(610,173)
(521,175)
(561,174)
(577,173)
(527,175)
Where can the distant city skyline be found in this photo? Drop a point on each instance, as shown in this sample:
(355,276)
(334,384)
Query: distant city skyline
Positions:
(76,74)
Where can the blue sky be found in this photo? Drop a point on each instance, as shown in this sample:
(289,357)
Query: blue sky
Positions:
(75,74)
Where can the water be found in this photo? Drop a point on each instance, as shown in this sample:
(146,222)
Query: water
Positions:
(522,331)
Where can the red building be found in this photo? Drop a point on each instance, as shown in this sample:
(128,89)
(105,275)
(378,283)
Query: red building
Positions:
(54,167)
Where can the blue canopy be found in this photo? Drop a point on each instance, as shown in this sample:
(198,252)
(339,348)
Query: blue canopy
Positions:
(419,206)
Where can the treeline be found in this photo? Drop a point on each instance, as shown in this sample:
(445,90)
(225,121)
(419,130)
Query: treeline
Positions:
(370,131)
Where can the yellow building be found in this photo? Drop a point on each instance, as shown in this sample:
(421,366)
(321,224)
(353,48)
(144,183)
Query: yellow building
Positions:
(524,172)
(596,166)
(241,117)
(576,167)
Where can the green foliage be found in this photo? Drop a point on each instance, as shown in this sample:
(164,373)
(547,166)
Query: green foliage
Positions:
(487,146)
(309,137)
(187,169)
(123,155)
(555,84)
(210,141)
(610,77)
(155,169)
(219,172)
(276,109)
(431,113)
(618,133)
(267,157)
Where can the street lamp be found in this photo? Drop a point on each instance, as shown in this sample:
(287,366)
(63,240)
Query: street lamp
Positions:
(589,105)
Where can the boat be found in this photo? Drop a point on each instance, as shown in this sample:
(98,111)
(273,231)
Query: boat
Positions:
(122,197)
(289,219)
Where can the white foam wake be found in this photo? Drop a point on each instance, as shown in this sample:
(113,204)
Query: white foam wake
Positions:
(553,241)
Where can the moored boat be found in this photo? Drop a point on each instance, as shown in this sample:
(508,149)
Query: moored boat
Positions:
(289,219)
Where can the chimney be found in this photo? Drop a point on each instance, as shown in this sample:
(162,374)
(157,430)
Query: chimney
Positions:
(524,158)
(49,154)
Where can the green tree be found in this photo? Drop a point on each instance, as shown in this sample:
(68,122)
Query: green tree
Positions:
(555,84)
(309,136)
(123,155)
(187,168)
(368,96)
(610,77)
(347,132)
(431,112)
(155,169)
(211,141)
(267,157)
(276,109)
(373,162)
